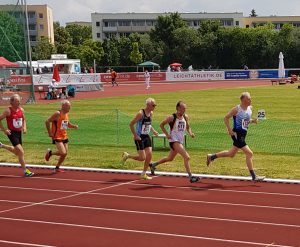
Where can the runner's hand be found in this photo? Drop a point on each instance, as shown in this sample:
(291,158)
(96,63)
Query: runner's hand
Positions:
(7,132)
(231,133)
(136,137)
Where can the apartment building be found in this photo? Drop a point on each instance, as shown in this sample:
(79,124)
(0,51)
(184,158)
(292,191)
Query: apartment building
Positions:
(277,21)
(40,18)
(107,25)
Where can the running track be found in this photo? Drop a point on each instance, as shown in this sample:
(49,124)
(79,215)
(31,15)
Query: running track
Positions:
(107,209)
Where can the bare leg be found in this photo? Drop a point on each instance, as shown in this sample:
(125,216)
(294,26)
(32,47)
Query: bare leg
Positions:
(228,153)
(62,151)
(18,151)
(249,154)
(170,157)
(178,147)
(148,152)
(140,157)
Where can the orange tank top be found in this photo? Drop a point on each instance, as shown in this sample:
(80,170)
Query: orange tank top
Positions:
(59,127)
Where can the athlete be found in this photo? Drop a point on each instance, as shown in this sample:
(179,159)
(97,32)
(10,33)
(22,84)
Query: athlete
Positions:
(241,115)
(16,124)
(140,128)
(179,124)
(147,79)
(59,122)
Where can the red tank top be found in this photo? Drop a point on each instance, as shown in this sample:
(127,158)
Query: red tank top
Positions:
(15,120)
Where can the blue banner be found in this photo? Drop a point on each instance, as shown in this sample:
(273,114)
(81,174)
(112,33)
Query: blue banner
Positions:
(270,73)
(238,74)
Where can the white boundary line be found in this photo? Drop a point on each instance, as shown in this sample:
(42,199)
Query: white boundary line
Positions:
(25,244)
(172,174)
(146,232)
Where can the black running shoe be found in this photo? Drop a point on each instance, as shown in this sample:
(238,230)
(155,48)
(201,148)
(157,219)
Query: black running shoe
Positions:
(259,178)
(152,168)
(194,179)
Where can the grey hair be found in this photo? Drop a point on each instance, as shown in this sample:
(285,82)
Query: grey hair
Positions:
(149,101)
(244,95)
(65,102)
(13,97)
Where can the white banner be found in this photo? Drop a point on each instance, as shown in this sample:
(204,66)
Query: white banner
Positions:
(195,76)
(45,79)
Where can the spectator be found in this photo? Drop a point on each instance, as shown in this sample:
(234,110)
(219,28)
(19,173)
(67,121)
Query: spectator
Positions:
(113,77)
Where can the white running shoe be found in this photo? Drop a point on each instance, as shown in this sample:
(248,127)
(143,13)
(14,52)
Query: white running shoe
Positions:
(125,156)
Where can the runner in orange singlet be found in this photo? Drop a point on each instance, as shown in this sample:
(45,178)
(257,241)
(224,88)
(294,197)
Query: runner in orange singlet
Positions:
(59,122)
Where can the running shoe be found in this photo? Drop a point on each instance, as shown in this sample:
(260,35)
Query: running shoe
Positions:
(125,156)
(259,178)
(152,168)
(208,160)
(28,173)
(194,179)
(145,177)
(58,170)
(1,145)
(48,154)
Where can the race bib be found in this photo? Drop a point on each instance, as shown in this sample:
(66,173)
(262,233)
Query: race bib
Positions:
(181,126)
(261,114)
(18,123)
(146,129)
(245,124)
(64,124)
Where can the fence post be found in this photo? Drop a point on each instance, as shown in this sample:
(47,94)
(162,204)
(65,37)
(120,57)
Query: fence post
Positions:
(117,125)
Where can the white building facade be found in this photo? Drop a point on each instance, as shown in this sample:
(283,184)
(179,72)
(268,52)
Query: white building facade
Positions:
(107,25)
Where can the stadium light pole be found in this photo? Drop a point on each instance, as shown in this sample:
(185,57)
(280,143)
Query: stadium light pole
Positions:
(31,98)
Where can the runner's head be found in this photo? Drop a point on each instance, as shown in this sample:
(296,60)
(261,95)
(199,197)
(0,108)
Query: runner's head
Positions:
(15,100)
(65,106)
(180,108)
(150,104)
(245,99)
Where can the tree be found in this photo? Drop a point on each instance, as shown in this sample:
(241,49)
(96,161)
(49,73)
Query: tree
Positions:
(62,38)
(135,56)
(12,38)
(43,50)
(89,51)
(79,33)
(111,55)
(253,13)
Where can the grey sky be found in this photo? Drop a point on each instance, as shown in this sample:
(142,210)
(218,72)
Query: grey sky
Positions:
(80,10)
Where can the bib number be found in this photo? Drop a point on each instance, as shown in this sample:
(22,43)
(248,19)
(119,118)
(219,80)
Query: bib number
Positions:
(18,123)
(181,126)
(146,129)
(64,124)
(245,124)
(261,114)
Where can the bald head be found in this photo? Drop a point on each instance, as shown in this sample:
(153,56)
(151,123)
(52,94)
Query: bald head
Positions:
(65,106)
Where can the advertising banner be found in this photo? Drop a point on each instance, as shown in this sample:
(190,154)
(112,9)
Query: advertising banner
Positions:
(73,79)
(237,75)
(134,77)
(195,76)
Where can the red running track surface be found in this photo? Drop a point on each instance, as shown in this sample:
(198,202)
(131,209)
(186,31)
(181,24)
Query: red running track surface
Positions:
(108,209)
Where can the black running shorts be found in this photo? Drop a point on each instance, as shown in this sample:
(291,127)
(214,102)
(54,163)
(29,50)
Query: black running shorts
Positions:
(145,142)
(239,140)
(15,138)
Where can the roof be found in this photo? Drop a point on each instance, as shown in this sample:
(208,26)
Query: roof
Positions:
(149,64)
(5,63)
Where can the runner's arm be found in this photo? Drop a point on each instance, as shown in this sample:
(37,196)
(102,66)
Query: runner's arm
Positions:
(133,123)
(188,127)
(5,114)
(24,127)
(51,119)
(168,120)
(227,117)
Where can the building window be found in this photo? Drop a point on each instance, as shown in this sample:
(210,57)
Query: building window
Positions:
(97,23)
(109,35)
(32,38)
(41,26)
(98,35)
(227,23)
(32,27)
(110,23)
(31,15)
(124,35)
(41,15)
(247,26)
(138,23)
(150,23)
(237,23)
(124,23)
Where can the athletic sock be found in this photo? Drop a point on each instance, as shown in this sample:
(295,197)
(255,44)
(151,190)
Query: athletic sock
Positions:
(253,175)
(213,157)
(190,174)
(57,167)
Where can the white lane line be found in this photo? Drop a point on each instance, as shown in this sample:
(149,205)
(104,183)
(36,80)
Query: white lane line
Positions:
(156,198)
(167,215)
(145,232)
(25,244)
(172,187)
(65,197)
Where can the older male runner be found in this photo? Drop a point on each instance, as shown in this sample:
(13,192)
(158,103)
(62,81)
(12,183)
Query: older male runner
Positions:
(59,122)
(142,122)
(16,124)
(179,124)
(241,115)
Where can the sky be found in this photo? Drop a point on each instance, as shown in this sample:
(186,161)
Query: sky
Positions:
(80,10)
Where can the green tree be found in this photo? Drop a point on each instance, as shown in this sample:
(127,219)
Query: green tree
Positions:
(43,50)
(89,51)
(12,39)
(111,55)
(135,56)
(62,38)
(79,33)
(253,13)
